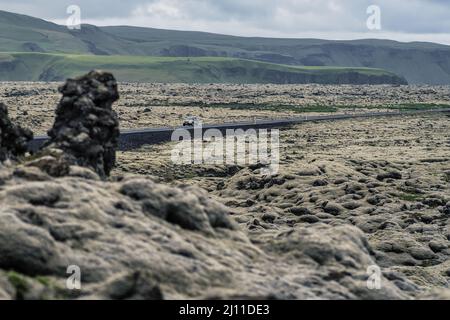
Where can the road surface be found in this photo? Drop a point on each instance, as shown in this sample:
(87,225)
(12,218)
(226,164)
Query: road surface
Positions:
(133,139)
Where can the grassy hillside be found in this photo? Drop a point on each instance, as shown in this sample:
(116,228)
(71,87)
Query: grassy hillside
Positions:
(417,62)
(23,33)
(55,67)
(421,63)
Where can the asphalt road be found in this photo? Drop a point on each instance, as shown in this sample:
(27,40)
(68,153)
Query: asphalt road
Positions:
(133,139)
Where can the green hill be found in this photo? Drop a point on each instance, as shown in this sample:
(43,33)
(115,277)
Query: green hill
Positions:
(56,67)
(417,62)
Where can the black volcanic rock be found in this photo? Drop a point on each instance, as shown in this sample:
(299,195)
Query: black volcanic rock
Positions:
(13,139)
(86,128)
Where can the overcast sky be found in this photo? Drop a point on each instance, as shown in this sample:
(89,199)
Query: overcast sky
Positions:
(404,20)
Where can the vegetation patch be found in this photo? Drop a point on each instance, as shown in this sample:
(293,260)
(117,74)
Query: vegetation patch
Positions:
(312,108)
(275,107)
(20,283)
(410,197)
(418,106)
(56,67)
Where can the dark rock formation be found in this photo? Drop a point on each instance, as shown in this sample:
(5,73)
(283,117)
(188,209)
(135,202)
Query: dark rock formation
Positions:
(389,175)
(13,138)
(86,128)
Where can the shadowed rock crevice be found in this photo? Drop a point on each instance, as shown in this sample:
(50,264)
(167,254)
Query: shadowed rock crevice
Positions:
(86,128)
(13,139)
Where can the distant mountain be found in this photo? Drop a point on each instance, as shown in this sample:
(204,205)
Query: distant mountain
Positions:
(418,63)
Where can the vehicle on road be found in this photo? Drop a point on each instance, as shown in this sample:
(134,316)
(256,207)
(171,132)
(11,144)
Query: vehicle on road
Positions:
(192,122)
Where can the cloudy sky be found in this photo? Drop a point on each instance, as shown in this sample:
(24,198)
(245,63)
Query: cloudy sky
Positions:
(403,20)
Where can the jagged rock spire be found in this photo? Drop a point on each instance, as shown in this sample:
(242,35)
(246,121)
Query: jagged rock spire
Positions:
(86,128)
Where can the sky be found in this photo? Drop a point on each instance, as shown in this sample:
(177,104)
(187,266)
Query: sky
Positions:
(402,20)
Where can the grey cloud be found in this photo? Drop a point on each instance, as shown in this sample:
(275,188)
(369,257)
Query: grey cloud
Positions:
(52,9)
(261,17)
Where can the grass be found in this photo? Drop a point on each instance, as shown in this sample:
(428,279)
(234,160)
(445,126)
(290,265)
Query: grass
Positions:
(410,197)
(19,283)
(22,285)
(56,67)
(275,107)
(400,106)
(316,108)
(419,106)
(45,281)
(408,194)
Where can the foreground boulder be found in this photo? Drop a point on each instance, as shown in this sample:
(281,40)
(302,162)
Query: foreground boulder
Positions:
(138,239)
(13,139)
(86,128)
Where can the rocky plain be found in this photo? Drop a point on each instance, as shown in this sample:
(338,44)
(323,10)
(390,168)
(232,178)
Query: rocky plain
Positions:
(33,104)
(349,196)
